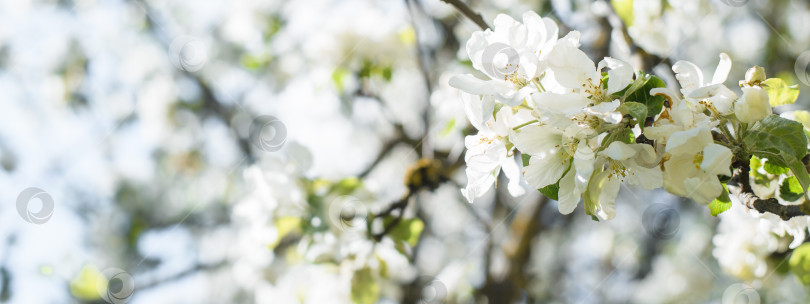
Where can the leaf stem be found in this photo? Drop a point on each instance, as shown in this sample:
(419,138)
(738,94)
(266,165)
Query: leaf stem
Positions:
(524,124)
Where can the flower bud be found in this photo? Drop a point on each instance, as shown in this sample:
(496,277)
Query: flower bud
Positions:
(753,105)
(754,76)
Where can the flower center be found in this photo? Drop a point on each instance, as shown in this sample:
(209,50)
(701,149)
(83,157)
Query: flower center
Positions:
(698,159)
(517,81)
(616,169)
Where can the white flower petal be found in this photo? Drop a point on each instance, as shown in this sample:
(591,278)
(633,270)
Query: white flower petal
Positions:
(544,170)
(753,106)
(689,141)
(619,151)
(568,195)
(647,178)
(606,208)
(689,76)
(584,159)
(512,171)
(568,104)
(703,188)
(620,75)
(716,160)
(537,140)
(470,84)
(723,67)
(478,109)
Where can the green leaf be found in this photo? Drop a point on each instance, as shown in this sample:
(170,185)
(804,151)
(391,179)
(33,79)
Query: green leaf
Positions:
(498,107)
(339,76)
(635,109)
(642,95)
(85,286)
(775,135)
(408,230)
(775,169)
(347,186)
(365,289)
(721,203)
(525,158)
(284,226)
(779,93)
(800,263)
(449,127)
(799,170)
(759,178)
(624,135)
(551,191)
(804,118)
(624,8)
(791,190)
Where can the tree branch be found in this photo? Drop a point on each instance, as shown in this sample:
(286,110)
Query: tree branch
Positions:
(469,13)
(740,186)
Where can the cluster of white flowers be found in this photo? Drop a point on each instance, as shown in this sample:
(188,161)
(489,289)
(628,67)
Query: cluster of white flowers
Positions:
(584,128)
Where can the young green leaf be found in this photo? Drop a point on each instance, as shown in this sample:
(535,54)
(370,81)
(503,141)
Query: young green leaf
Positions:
(797,167)
(408,230)
(800,263)
(791,190)
(365,289)
(779,93)
(773,168)
(642,95)
(635,109)
(721,203)
(551,191)
(775,135)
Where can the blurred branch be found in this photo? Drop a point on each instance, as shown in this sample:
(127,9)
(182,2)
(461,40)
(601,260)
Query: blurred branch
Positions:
(423,57)
(469,13)
(517,249)
(210,103)
(182,274)
(523,230)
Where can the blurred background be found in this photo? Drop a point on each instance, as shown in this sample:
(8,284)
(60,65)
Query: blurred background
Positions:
(311,151)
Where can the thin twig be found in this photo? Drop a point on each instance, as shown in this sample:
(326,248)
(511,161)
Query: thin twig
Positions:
(469,13)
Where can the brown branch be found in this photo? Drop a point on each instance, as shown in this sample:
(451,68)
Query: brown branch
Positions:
(469,13)
(740,186)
